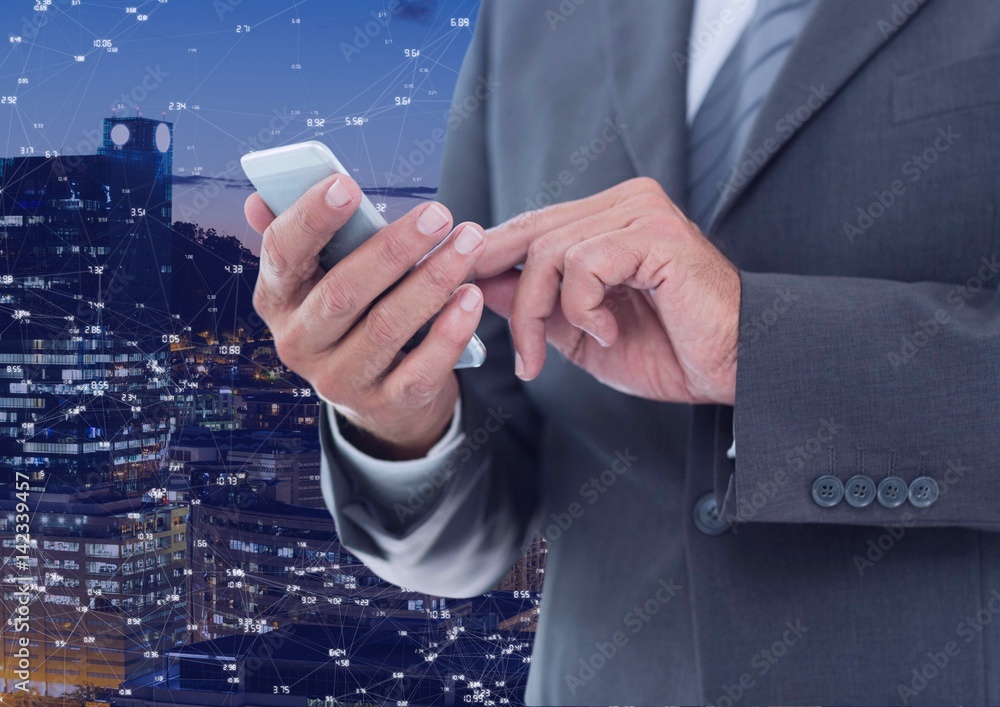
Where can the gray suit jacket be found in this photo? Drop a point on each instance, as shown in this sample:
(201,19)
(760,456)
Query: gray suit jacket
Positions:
(865,224)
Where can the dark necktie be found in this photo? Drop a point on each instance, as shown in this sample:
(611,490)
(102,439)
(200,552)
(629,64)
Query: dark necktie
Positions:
(719,131)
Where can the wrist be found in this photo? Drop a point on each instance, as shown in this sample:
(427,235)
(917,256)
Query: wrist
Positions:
(389,447)
(717,380)
(731,345)
(405,437)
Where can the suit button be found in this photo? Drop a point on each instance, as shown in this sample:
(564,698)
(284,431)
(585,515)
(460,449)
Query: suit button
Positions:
(706,516)
(859,491)
(892,492)
(924,491)
(827,491)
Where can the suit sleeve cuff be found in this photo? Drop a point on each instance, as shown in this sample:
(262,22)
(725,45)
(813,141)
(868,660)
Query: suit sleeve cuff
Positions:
(392,481)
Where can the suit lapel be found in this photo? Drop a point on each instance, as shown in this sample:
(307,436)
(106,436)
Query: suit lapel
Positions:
(840,37)
(645,44)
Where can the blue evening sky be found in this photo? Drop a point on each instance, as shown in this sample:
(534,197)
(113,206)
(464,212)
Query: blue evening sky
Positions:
(370,78)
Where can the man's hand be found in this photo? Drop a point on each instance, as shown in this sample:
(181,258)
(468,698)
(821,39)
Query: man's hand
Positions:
(323,328)
(625,287)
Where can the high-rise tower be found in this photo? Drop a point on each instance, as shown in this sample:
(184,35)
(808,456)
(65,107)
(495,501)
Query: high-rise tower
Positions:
(85,329)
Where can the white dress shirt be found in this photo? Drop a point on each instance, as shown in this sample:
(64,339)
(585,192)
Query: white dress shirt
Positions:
(716,26)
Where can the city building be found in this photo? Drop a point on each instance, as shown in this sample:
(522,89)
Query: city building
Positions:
(105,576)
(208,406)
(289,461)
(258,565)
(85,272)
(266,410)
(174,477)
(370,662)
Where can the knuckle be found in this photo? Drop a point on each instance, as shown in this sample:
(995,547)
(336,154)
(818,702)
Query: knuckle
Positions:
(578,257)
(438,275)
(276,261)
(663,229)
(417,386)
(308,222)
(646,185)
(609,250)
(644,205)
(394,251)
(336,297)
(382,326)
(447,332)
(540,248)
(646,201)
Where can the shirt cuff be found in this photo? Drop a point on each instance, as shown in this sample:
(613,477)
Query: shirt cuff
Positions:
(731,452)
(393,481)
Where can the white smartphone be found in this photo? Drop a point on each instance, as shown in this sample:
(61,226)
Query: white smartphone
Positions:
(282,175)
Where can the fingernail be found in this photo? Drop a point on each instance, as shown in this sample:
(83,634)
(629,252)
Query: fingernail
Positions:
(468,239)
(432,220)
(337,196)
(470,299)
(518,365)
(596,338)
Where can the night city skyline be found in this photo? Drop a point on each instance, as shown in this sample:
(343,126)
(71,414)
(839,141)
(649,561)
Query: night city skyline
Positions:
(161,516)
(370,78)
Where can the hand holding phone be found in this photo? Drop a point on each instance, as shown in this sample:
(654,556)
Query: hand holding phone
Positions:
(346,330)
(282,175)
